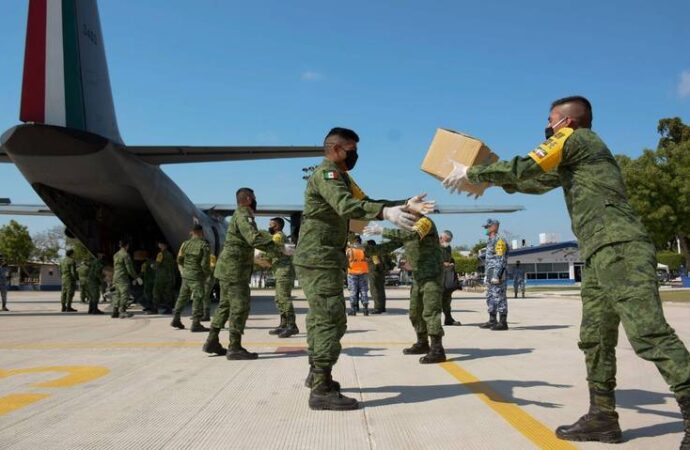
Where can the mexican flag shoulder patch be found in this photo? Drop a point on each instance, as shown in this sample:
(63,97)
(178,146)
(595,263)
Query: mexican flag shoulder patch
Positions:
(330,175)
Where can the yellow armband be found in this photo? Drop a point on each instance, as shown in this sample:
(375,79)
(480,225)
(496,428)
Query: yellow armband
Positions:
(423,227)
(159,258)
(278,239)
(550,152)
(356,191)
(501,247)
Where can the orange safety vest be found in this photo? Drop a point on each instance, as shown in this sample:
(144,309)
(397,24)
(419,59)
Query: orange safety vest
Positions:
(358,262)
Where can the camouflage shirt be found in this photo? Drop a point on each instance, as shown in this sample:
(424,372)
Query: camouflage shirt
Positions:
(236,260)
(68,270)
(95,275)
(195,259)
(496,257)
(331,199)
(277,257)
(422,248)
(83,271)
(375,259)
(123,269)
(580,163)
(165,267)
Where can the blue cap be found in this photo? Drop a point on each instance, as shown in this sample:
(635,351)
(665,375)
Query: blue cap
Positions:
(490,222)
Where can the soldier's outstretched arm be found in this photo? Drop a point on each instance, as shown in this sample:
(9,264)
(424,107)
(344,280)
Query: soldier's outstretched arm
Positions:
(539,185)
(256,238)
(336,193)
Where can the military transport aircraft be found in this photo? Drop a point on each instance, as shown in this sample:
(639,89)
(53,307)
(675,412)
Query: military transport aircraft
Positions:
(69,147)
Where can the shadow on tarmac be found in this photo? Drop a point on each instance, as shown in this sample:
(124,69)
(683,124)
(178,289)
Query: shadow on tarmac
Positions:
(541,327)
(479,353)
(640,401)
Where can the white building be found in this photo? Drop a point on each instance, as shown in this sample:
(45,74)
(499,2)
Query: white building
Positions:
(557,263)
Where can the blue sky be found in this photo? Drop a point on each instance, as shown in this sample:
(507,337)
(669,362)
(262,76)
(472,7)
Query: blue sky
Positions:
(213,72)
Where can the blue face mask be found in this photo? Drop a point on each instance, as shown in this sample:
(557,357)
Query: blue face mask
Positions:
(487,232)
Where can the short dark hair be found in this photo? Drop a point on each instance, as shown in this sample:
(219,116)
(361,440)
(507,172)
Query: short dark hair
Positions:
(124,242)
(243,193)
(344,133)
(197,227)
(358,239)
(69,252)
(584,119)
(279,221)
(371,242)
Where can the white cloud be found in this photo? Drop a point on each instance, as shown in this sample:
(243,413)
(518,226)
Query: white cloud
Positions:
(314,76)
(684,84)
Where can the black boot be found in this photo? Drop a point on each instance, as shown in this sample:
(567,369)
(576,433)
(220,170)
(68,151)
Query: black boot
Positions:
(197,327)
(176,322)
(420,347)
(97,311)
(115,314)
(599,424)
(377,311)
(366,310)
(491,322)
(212,344)
(207,315)
(324,395)
(290,330)
(352,312)
(450,322)
(236,352)
(436,352)
(502,323)
(309,381)
(684,403)
(64,308)
(279,329)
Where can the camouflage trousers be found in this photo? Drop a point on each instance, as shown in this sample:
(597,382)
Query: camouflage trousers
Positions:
(285,280)
(620,286)
(519,285)
(446,299)
(358,286)
(208,290)
(163,295)
(84,291)
(425,306)
(191,290)
(121,297)
(94,294)
(496,300)
(67,294)
(326,319)
(233,308)
(3,294)
(377,287)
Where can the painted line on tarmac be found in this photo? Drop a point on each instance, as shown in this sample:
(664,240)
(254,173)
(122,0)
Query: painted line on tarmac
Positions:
(518,418)
(13,402)
(172,344)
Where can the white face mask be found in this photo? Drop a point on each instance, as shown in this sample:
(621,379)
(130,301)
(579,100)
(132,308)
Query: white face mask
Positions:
(445,244)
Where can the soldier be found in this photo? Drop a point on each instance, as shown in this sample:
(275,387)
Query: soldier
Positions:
(423,251)
(234,271)
(331,199)
(518,279)
(4,279)
(284,274)
(93,283)
(123,272)
(495,278)
(83,275)
(68,271)
(194,260)
(147,273)
(448,271)
(164,282)
(619,277)
(377,276)
(357,277)
(208,288)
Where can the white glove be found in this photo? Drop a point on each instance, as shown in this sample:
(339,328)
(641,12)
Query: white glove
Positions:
(181,269)
(457,178)
(419,205)
(289,249)
(399,217)
(373,229)
(495,281)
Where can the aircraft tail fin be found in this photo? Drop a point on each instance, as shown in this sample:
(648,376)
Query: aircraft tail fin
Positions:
(66,80)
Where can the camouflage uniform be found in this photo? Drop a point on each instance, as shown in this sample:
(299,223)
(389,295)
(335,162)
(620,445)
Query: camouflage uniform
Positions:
(496,262)
(68,271)
(447,297)
(93,281)
(163,295)
(331,199)
(377,277)
(83,275)
(208,288)
(194,258)
(4,274)
(148,275)
(284,274)
(123,273)
(619,276)
(234,271)
(519,281)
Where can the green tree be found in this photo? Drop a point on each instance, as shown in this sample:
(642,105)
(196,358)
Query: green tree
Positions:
(478,246)
(16,243)
(81,253)
(672,259)
(465,264)
(658,185)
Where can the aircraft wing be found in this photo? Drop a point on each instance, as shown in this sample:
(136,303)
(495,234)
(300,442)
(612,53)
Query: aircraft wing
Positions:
(8,209)
(3,156)
(287,210)
(176,154)
(456,209)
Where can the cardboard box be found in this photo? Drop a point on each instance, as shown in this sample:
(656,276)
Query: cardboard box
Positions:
(450,145)
(357,226)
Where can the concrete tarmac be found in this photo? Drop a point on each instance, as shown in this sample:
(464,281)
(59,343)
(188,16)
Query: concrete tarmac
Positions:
(72,381)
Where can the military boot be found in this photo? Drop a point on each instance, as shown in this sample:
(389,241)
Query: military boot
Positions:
(420,347)
(236,352)
(352,312)
(64,308)
(502,324)
(309,381)
(436,352)
(279,329)
(491,322)
(599,424)
(450,322)
(96,311)
(324,395)
(290,329)
(212,344)
(366,310)
(115,314)
(684,403)
(176,322)
(197,327)
(207,315)
(126,315)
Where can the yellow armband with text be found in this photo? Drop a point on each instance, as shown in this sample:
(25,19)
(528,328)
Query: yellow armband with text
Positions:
(423,227)
(550,152)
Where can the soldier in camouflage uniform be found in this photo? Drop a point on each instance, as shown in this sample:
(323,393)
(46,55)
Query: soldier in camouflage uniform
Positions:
(619,277)
(495,265)
(234,272)
(93,283)
(4,281)
(68,272)
(83,276)
(163,286)
(208,289)
(331,199)
(194,260)
(123,272)
(519,279)
(148,274)
(448,271)
(284,274)
(377,276)
(423,251)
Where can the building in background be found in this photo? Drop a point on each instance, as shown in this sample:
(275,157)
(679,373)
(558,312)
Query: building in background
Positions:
(552,263)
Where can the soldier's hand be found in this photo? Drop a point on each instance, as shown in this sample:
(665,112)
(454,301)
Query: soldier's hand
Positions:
(399,217)
(289,249)
(373,229)
(456,180)
(418,204)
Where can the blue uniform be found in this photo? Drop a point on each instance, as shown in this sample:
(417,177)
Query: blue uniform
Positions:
(496,262)
(519,281)
(4,274)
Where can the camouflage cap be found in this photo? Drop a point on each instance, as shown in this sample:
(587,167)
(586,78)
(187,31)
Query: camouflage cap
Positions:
(490,222)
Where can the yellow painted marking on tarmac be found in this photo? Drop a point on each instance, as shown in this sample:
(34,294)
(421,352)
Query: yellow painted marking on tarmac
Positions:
(523,422)
(164,344)
(13,402)
(75,375)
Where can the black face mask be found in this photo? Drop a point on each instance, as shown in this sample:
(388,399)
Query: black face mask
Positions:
(351,159)
(271,230)
(253,205)
(548,132)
